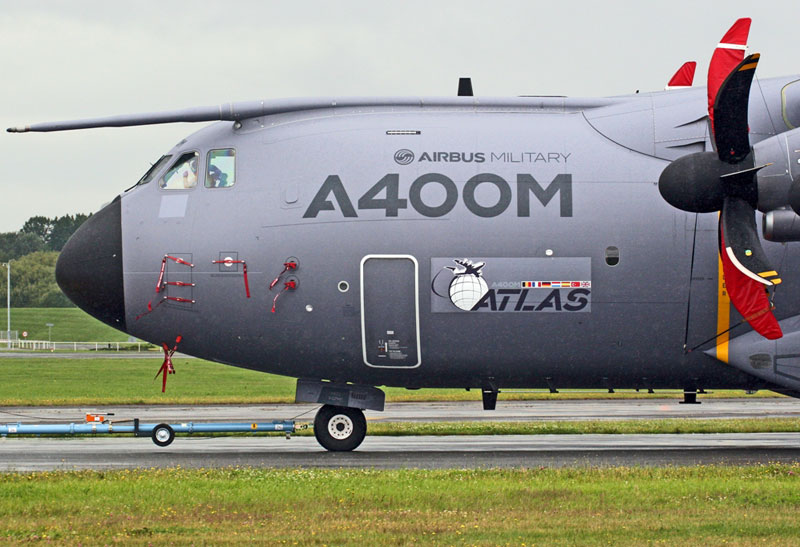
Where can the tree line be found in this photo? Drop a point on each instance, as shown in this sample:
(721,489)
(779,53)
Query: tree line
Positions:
(33,252)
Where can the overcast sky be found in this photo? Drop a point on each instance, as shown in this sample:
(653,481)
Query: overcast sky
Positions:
(69,60)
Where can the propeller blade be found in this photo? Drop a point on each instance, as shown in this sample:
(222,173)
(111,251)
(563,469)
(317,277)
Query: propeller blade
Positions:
(745,267)
(731,132)
(742,244)
(727,55)
(683,77)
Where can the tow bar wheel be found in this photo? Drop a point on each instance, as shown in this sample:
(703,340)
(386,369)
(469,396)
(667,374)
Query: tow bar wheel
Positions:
(339,429)
(163,435)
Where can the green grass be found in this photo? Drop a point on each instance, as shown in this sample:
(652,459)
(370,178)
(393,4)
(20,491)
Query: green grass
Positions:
(587,506)
(622,427)
(53,381)
(69,324)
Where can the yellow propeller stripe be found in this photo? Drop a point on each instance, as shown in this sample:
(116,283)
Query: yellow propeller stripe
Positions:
(723,314)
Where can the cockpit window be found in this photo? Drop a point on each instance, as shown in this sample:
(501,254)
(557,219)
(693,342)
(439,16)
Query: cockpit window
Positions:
(155,168)
(182,174)
(221,171)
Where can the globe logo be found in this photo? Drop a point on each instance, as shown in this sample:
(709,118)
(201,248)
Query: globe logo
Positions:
(404,156)
(467,286)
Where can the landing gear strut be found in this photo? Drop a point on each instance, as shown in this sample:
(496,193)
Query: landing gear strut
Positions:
(339,428)
(690,397)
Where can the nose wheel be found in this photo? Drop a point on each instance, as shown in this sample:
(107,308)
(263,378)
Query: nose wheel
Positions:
(339,428)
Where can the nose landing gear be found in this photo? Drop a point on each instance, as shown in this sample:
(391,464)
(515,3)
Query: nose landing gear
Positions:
(339,428)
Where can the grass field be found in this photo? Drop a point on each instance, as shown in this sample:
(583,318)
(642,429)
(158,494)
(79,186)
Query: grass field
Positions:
(53,381)
(620,427)
(49,381)
(586,506)
(69,324)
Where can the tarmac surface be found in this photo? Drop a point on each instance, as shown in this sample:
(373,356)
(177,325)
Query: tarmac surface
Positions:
(403,452)
(110,452)
(600,409)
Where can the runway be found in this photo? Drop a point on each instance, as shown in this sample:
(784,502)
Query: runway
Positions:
(601,409)
(403,452)
(33,454)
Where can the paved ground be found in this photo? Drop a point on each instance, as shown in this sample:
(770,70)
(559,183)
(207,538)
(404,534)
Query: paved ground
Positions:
(423,451)
(403,452)
(427,412)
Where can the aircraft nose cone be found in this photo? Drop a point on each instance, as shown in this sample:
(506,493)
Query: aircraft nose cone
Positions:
(89,268)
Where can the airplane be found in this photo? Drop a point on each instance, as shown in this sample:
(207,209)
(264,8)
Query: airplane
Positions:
(465,242)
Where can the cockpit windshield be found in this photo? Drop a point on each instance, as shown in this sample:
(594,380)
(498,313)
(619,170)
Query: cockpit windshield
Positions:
(155,168)
(182,174)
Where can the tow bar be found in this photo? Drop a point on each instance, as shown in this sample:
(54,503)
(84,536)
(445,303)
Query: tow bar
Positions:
(162,434)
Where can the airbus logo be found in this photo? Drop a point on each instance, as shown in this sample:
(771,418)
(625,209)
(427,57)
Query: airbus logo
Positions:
(404,156)
(453,157)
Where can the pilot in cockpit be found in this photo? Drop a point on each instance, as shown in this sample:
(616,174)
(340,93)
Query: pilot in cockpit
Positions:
(216,178)
(190,174)
(183,173)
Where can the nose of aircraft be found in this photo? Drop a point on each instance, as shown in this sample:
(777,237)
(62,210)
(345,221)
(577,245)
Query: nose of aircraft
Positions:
(89,268)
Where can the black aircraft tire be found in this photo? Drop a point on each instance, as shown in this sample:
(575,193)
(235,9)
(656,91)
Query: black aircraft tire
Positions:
(163,435)
(339,428)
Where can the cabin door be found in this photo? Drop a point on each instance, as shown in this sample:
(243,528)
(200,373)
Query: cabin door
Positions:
(390,311)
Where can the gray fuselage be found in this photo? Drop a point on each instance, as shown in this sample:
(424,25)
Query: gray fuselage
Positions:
(375,205)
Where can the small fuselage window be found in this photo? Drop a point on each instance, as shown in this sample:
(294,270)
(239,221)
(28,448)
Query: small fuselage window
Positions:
(612,256)
(221,172)
(182,174)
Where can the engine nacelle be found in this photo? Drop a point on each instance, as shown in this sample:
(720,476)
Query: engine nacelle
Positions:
(781,226)
(781,155)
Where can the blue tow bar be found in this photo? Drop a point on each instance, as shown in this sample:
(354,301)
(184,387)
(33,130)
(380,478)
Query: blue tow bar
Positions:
(162,434)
